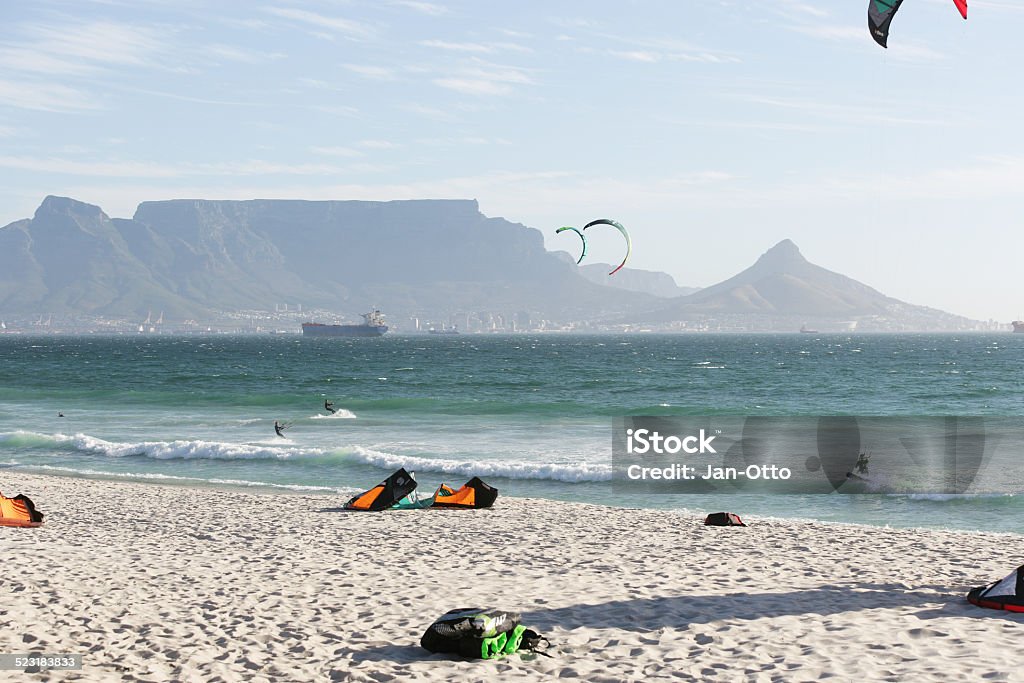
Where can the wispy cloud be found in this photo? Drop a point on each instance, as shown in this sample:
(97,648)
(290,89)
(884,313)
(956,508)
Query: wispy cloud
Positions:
(75,49)
(834,32)
(338,109)
(380,73)
(637,55)
(462,141)
(842,112)
(45,97)
(905,49)
(337,152)
(238,54)
(485,79)
(194,98)
(378,144)
(141,169)
(802,127)
(435,113)
(430,8)
(456,47)
(333,25)
(31,61)
(478,48)
(992,4)
(796,7)
(651,57)
(101,41)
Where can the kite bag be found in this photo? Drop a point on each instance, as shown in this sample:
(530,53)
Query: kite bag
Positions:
(480,634)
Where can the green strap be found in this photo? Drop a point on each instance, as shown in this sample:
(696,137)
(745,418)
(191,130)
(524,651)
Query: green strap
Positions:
(515,639)
(491,648)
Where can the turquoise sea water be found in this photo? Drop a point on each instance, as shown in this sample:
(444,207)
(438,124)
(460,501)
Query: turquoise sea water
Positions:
(531,414)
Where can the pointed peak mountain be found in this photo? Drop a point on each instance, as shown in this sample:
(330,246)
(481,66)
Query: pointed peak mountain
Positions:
(64,206)
(783,282)
(783,256)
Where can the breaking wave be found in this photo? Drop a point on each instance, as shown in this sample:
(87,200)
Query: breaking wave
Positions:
(571,473)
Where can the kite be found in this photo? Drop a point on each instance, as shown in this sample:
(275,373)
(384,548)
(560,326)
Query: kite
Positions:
(881,12)
(569,227)
(614,224)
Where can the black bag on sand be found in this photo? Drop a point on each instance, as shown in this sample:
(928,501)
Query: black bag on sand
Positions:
(480,634)
(723,519)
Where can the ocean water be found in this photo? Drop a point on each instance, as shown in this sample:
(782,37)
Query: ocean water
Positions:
(530,414)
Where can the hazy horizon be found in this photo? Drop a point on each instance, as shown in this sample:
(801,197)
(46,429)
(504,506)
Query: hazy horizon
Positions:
(712,130)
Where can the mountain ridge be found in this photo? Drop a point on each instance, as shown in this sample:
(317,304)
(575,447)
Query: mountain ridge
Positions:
(434,259)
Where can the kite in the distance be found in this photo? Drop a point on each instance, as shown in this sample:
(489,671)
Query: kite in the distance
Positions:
(881,12)
(584,252)
(614,224)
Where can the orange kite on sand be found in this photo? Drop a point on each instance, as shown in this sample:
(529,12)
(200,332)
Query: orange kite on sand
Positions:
(19,511)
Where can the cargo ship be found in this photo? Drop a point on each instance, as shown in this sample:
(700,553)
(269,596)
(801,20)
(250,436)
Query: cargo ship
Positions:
(372,326)
(1018,325)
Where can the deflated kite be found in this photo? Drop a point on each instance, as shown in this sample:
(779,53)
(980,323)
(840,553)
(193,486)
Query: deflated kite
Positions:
(881,12)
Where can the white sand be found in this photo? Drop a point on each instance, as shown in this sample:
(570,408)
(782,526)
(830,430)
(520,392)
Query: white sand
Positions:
(155,583)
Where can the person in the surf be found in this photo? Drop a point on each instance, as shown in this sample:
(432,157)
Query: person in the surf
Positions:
(60,414)
(861,467)
(329,406)
(279,428)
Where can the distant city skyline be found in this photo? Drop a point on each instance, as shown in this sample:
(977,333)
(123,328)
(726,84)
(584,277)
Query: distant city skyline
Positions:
(713,130)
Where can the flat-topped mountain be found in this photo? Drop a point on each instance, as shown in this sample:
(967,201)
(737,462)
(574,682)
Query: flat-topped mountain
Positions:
(191,258)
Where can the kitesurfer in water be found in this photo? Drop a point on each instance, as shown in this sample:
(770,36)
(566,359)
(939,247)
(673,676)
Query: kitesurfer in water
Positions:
(862,464)
(279,428)
(60,414)
(329,407)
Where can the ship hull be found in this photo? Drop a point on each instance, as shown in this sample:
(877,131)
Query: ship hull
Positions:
(318,330)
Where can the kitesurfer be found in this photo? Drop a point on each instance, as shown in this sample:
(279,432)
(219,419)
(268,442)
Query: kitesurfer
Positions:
(60,414)
(862,464)
(329,407)
(279,428)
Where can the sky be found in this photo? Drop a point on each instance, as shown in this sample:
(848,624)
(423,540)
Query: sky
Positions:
(711,129)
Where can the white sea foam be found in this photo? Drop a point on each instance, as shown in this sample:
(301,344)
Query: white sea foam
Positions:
(341,414)
(576,472)
(186,450)
(283,449)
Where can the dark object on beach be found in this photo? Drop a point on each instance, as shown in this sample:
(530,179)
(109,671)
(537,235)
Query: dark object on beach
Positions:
(473,495)
(1006,594)
(723,519)
(19,511)
(481,634)
(385,494)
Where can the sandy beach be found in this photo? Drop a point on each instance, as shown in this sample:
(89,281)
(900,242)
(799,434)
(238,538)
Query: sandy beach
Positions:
(159,583)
